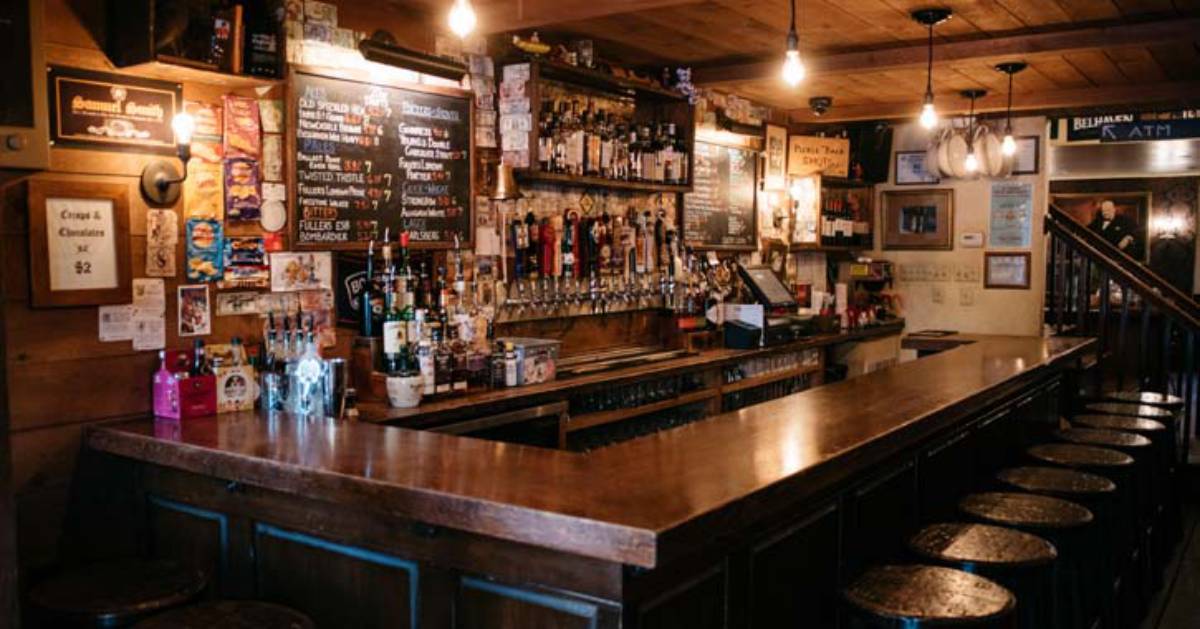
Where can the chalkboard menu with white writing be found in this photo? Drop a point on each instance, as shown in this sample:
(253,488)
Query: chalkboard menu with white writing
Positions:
(719,212)
(369,157)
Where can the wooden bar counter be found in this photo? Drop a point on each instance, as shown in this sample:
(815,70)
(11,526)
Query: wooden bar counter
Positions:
(740,520)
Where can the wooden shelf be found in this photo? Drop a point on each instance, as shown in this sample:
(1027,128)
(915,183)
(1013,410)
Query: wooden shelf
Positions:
(750,383)
(182,73)
(599,182)
(825,248)
(588,420)
(558,71)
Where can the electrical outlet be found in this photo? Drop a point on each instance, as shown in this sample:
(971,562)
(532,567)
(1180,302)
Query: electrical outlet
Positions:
(966,296)
(939,294)
(962,273)
(973,273)
(943,273)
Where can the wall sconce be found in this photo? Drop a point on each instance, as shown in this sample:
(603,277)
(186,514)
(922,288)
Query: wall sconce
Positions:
(160,181)
(1168,225)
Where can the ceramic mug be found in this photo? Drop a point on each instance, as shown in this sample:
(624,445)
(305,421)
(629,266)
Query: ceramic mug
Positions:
(404,391)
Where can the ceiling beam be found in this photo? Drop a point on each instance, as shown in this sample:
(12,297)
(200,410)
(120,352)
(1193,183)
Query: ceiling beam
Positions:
(509,15)
(1025,46)
(1132,96)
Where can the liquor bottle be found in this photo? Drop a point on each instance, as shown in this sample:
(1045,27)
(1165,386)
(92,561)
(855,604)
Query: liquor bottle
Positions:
(426,368)
(497,366)
(307,392)
(682,158)
(269,344)
(606,145)
(395,338)
(510,365)
(459,368)
(575,140)
(200,366)
(634,171)
(237,353)
(365,308)
(545,146)
(649,154)
(595,141)
(443,364)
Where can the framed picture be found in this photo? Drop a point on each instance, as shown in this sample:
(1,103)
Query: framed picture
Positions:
(1006,269)
(775,158)
(78,243)
(774,254)
(195,314)
(910,169)
(1026,160)
(1121,218)
(918,219)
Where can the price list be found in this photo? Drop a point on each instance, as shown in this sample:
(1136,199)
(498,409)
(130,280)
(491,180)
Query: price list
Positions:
(720,212)
(371,157)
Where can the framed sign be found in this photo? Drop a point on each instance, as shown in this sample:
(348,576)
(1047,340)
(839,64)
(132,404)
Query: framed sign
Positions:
(812,154)
(98,110)
(775,169)
(1026,159)
(78,243)
(910,169)
(721,212)
(1011,217)
(1006,270)
(918,219)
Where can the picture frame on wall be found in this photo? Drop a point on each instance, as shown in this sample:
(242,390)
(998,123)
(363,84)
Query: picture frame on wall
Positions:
(1006,269)
(910,169)
(775,158)
(78,243)
(918,219)
(1127,227)
(1027,159)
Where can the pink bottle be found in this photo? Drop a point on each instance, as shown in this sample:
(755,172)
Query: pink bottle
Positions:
(166,390)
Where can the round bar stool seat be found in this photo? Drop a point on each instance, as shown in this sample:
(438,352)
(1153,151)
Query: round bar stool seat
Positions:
(1074,455)
(1103,437)
(1021,562)
(918,596)
(1066,525)
(1132,410)
(1164,400)
(1056,481)
(115,594)
(229,615)
(1139,425)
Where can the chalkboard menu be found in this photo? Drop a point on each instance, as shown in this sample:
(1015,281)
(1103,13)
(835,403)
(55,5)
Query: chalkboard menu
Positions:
(370,157)
(719,213)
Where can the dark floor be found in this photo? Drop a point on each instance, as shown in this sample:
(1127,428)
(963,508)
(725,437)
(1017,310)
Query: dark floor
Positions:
(1177,605)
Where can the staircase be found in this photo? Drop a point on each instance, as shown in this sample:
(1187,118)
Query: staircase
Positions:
(1147,329)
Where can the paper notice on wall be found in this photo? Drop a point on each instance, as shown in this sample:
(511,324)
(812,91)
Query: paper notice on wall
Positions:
(160,260)
(81,244)
(116,323)
(162,227)
(149,331)
(149,296)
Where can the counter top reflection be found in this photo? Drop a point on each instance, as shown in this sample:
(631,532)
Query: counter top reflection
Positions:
(636,502)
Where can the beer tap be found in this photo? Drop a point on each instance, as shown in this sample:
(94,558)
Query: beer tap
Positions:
(669,294)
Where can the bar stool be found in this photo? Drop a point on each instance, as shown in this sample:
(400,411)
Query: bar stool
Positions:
(229,615)
(1167,503)
(1090,490)
(1121,530)
(1019,561)
(1064,524)
(115,594)
(1162,400)
(895,597)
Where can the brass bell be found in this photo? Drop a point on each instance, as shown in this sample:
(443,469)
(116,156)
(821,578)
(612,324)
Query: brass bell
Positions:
(506,185)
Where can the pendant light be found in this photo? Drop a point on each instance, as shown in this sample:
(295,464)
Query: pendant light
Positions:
(930,18)
(793,67)
(462,18)
(1009,146)
(971,163)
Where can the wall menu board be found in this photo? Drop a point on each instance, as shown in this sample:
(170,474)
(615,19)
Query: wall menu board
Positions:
(719,212)
(370,157)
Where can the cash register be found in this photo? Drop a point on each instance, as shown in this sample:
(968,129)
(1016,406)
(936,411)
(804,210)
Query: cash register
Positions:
(781,324)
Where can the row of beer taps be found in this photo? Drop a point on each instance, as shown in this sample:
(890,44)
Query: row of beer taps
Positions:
(571,263)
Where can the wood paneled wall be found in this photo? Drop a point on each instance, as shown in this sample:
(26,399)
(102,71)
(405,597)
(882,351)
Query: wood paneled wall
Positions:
(60,376)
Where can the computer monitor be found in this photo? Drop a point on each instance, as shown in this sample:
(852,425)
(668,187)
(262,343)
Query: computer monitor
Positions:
(767,287)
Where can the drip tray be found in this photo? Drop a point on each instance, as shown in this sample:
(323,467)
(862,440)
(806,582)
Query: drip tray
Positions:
(583,364)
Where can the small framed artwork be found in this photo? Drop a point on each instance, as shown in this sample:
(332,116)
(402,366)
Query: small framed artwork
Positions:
(918,219)
(1006,269)
(910,169)
(775,157)
(78,243)
(1026,159)
(195,314)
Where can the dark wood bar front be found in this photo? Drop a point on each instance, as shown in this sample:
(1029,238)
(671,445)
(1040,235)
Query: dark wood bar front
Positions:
(733,521)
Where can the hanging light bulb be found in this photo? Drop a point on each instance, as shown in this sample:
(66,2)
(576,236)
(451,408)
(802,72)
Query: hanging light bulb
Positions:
(462,18)
(793,67)
(929,18)
(972,162)
(1008,146)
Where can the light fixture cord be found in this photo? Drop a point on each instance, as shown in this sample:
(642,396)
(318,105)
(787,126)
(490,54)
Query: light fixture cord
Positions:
(971,124)
(1008,125)
(793,37)
(929,66)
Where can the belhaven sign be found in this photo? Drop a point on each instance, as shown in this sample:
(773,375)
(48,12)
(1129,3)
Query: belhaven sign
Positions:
(112,111)
(808,155)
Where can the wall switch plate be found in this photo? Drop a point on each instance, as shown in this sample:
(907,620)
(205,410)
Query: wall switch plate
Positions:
(939,294)
(966,296)
(943,273)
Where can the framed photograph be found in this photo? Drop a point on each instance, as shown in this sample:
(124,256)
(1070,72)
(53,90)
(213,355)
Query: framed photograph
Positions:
(195,314)
(78,243)
(1006,269)
(1121,218)
(910,169)
(918,219)
(1026,161)
(775,156)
